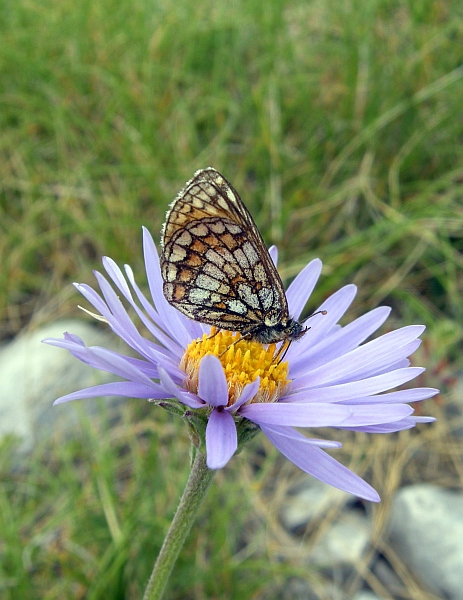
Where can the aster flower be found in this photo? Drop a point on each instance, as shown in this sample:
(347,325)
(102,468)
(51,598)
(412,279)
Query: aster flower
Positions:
(230,387)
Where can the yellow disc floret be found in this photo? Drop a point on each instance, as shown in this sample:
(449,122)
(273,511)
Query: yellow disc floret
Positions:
(243,361)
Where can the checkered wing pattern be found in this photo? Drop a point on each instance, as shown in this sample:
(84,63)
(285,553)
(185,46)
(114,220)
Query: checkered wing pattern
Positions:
(215,266)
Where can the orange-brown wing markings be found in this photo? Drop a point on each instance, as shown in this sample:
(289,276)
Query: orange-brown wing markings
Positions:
(218,278)
(215,266)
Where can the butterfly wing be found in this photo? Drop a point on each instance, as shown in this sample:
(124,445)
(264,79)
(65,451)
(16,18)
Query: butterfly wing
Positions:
(215,266)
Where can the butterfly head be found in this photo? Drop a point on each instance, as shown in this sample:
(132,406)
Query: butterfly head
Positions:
(286,329)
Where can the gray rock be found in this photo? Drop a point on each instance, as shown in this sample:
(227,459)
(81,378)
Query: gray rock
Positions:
(312,588)
(344,543)
(309,501)
(366,596)
(426,531)
(388,578)
(33,375)
(345,538)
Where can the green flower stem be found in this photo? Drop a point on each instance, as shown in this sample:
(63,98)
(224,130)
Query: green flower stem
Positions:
(195,491)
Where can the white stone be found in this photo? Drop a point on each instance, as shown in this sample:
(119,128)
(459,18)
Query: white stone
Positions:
(33,375)
(345,540)
(344,543)
(426,531)
(311,500)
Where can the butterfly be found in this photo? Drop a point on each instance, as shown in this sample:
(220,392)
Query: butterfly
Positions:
(216,268)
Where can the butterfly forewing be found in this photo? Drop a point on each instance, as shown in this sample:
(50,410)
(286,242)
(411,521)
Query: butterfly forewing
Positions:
(215,266)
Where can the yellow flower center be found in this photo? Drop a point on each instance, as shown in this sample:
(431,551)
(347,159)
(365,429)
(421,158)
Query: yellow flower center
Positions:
(243,361)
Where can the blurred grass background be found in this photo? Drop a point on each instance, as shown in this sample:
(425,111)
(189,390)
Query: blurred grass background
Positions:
(340,124)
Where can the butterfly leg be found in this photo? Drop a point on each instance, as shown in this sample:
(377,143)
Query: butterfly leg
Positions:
(232,344)
(279,356)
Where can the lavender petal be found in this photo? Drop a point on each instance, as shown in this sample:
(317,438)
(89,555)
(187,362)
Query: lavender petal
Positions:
(302,287)
(172,390)
(212,384)
(354,389)
(317,463)
(221,439)
(117,388)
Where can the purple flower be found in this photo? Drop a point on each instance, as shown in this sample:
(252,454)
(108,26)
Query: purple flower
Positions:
(330,377)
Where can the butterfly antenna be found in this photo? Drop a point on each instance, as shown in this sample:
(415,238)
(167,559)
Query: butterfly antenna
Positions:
(287,343)
(319,312)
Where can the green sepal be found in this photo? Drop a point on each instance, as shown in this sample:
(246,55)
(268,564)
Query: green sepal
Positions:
(246,431)
(171,405)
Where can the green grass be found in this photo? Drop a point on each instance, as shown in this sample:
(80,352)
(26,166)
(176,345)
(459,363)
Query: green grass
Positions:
(340,125)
